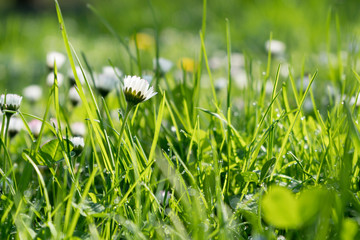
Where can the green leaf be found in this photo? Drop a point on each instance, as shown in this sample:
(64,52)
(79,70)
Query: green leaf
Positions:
(248,177)
(282,209)
(349,229)
(52,150)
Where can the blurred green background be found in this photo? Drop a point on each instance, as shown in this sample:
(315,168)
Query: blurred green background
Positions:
(29,29)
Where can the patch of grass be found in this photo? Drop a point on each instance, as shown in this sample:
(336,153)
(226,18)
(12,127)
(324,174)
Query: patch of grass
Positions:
(269,151)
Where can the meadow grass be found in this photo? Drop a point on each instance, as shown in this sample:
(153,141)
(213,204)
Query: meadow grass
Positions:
(277,159)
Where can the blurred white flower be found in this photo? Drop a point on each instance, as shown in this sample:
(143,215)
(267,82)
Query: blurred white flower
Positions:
(78,129)
(221,83)
(269,87)
(74,96)
(15,126)
(239,77)
(32,93)
(165,65)
(107,80)
(50,79)
(55,56)
(275,46)
(78,73)
(12,102)
(35,127)
(137,90)
(237,60)
(284,70)
(78,143)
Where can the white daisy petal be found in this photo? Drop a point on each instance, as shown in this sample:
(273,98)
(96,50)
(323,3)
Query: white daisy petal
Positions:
(140,90)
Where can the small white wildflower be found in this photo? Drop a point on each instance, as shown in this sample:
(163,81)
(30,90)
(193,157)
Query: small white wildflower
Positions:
(137,90)
(50,79)
(12,102)
(32,93)
(15,126)
(78,129)
(78,73)
(78,143)
(74,96)
(269,87)
(240,78)
(220,83)
(275,46)
(35,127)
(237,60)
(106,81)
(55,56)
(165,65)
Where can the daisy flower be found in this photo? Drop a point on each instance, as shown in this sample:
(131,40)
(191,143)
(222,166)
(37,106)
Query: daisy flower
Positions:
(78,143)
(276,47)
(137,90)
(50,79)
(107,80)
(74,96)
(15,126)
(78,129)
(32,93)
(11,102)
(55,56)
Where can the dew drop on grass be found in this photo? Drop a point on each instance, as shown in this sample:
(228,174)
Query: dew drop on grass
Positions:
(302,118)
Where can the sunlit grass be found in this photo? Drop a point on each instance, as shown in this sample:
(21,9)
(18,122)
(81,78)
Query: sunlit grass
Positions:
(232,146)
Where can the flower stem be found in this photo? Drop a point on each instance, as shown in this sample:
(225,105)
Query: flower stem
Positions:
(127,112)
(5,146)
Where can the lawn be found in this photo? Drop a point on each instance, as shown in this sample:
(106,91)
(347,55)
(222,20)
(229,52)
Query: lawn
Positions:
(179,120)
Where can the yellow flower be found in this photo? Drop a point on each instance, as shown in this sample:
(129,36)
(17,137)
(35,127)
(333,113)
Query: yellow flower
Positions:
(144,41)
(188,64)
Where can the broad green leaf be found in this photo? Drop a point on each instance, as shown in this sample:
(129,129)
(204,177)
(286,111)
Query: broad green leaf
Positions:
(349,229)
(284,210)
(52,151)
(280,208)
(249,177)
(309,203)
